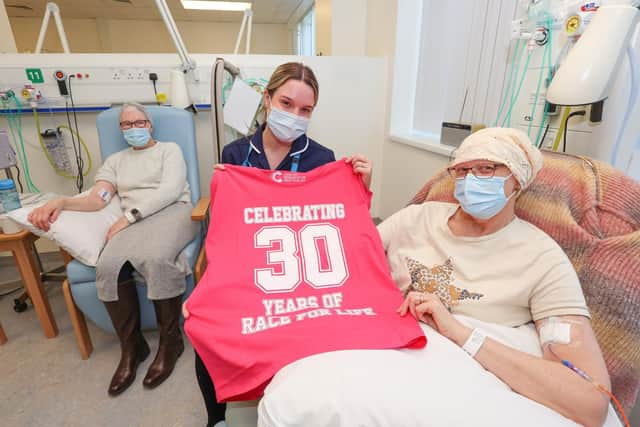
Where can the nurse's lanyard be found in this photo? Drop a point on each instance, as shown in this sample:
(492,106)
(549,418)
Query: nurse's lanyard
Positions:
(295,159)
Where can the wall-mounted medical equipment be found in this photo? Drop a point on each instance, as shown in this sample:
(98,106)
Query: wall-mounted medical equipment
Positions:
(217,113)
(179,90)
(7,154)
(179,93)
(247,19)
(52,9)
(534,30)
(53,141)
(61,79)
(12,106)
(587,74)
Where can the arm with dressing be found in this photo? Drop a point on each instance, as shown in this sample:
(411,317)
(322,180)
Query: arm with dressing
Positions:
(569,337)
(547,379)
(99,196)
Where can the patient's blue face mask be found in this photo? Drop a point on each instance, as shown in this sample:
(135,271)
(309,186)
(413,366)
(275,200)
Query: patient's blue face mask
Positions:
(137,137)
(481,198)
(285,126)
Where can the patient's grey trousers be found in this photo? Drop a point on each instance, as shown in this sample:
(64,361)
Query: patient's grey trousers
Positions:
(153,246)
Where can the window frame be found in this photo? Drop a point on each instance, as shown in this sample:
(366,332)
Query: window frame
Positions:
(409,32)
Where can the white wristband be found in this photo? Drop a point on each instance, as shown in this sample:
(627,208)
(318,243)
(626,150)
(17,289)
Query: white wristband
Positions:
(130,217)
(474,342)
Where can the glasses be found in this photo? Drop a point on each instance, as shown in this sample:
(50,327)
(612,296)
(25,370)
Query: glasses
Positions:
(136,123)
(480,171)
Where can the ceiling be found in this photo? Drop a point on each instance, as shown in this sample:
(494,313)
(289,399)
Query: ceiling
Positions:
(264,11)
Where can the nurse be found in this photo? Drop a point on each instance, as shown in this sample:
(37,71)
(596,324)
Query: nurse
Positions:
(280,144)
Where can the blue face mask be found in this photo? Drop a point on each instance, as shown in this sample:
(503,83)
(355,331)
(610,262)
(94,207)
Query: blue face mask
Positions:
(137,137)
(481,198)
(285,126)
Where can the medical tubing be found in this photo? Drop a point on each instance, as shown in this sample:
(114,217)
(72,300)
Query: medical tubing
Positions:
(616,403)
(509,81)
(513,88)
(597,385)
(545,115)
(544,135)
(84,145)
(7,107)
(545,58)
(537,95)
(515,81)
(18,178)
(630,104)
(563,120)
(566,127)
(73,144)
(517,94)
(79,159)
(48,155)
(632,156)
(15,126)
(44,147)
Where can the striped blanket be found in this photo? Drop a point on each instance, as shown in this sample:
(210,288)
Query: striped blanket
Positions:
(593,212)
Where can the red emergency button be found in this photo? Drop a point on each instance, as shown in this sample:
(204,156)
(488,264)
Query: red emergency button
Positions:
(59,74)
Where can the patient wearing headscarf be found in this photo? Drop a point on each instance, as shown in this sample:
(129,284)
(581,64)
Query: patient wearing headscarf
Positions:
(478,259)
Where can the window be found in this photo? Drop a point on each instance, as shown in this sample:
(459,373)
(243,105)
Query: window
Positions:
(450,63)
(306,34)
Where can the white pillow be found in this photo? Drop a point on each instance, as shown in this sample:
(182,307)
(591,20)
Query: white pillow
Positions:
(439,385)
(82,234)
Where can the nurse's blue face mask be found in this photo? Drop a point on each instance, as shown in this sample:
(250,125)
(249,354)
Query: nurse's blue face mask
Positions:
(287,127)
(481,198)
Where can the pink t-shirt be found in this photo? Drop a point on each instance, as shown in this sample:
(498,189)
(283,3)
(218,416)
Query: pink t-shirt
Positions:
(295,268)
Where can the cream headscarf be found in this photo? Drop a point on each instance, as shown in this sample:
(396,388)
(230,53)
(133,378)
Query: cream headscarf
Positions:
(508,146)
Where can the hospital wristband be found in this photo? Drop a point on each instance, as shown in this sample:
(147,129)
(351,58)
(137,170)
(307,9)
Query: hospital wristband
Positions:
(474,342)
(130,217)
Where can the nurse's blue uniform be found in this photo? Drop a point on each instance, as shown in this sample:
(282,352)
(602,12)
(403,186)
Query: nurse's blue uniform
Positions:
(305,153)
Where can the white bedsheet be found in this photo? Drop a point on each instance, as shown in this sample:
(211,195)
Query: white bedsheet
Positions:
(436,386)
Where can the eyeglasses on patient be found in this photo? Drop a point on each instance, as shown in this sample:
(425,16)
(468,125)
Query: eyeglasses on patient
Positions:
(479,171)
(136,123)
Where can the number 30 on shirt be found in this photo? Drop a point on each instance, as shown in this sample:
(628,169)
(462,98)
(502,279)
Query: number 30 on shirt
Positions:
(315,251)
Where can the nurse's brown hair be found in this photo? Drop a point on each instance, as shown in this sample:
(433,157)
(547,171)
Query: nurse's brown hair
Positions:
(295,71)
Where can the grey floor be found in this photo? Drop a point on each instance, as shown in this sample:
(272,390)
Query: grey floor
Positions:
(44,382)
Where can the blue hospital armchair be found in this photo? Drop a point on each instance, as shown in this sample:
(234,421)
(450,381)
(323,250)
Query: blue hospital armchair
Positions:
(169,124)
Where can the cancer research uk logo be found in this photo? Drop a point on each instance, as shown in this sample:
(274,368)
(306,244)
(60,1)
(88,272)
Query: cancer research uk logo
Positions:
(280,177)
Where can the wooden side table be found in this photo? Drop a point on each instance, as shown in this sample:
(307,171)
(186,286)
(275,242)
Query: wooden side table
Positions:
(20,244)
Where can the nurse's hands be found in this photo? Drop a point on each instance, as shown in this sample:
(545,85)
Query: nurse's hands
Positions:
(362,166)
(219,167)
(428,308)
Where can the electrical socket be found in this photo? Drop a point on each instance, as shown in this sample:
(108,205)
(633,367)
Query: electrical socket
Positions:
(117,75)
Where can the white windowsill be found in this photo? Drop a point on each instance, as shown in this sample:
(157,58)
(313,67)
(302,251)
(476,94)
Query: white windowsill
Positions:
(426,143)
